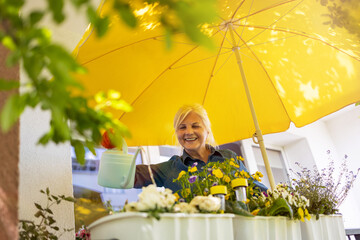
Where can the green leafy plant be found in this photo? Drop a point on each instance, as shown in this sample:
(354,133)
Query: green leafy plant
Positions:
(51,70)
(324,191)
(46,227)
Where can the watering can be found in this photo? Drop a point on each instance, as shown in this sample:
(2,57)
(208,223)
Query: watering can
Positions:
(117,168)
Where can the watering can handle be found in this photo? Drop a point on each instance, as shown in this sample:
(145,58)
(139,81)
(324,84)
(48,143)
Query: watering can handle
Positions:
(124,146)
(132,163)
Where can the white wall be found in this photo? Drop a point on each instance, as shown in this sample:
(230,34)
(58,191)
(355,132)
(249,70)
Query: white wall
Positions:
(50,165)
(345,132)
(42,167)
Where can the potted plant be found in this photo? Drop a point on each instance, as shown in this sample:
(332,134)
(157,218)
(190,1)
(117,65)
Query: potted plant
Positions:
(325,192)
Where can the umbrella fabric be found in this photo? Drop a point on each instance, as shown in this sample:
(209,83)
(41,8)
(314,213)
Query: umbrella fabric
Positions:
(298,69)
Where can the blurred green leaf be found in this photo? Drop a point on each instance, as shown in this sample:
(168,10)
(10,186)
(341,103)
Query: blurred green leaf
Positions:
(79,151)
(126,13)
(8,84)
(11,111)
(91,147)
(56,7)
(79,3)
(8,43)
(35,17)
(13,58)
(100,24)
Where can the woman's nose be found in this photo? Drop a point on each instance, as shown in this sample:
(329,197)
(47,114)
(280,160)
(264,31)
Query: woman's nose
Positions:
(189,131)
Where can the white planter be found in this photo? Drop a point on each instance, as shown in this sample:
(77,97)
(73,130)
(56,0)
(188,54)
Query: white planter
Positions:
(265,228)
(328,227)
(293,231)
(177,226)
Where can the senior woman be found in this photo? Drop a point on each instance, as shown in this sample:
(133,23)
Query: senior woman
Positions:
(193,131)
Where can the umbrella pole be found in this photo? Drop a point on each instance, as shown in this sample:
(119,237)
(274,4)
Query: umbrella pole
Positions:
(258,133)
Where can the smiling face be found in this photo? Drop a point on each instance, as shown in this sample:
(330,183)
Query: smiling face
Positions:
(192,134)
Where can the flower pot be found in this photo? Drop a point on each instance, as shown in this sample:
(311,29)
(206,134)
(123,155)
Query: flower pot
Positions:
(171,226)
(293,230)
(265,228)
(328,227)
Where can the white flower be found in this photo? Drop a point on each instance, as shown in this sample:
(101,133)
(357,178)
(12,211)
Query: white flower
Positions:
(185,208)
(284,194)
(275,194)
(149,198)
(168,199)
(290,199)
(206,204)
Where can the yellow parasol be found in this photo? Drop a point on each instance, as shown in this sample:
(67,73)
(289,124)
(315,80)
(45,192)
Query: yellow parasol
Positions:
(274,62)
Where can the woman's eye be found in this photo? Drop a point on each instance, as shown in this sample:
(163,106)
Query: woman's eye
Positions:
(182,127)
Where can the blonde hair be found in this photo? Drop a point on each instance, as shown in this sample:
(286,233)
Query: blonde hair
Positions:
(199,110)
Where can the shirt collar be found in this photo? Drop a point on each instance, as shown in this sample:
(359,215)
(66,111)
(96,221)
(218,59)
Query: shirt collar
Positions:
(186,158)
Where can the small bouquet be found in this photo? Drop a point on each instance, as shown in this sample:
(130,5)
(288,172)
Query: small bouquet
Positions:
(282,201)
(154,202)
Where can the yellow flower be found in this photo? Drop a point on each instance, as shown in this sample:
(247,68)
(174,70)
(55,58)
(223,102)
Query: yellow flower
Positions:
(244,174)
(227,179)
(259,174)
(301,213)
(247,201)
(234,164)
(256,177)
(307,215)
(186,192)
(255,212)
(181,174)
(240,158)
(193,169)
(176,195)
(218,173)
(227,196)
(267,204)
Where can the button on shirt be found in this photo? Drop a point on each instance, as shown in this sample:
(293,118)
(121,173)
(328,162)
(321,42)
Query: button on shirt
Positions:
(164,173)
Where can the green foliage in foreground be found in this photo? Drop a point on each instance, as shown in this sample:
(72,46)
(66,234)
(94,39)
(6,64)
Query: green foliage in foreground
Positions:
(31,45)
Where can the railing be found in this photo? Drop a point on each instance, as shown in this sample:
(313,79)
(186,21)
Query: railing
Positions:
(355,232)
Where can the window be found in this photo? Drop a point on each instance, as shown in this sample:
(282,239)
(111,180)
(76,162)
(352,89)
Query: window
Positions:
(277,165)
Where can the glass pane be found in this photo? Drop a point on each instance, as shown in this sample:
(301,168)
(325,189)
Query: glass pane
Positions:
(276,163)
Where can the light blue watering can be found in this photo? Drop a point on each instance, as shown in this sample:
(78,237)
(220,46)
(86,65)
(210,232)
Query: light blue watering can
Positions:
(117,168)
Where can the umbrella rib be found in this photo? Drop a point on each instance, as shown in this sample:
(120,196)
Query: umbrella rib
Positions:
(267,8)
(276,19)
(262,66)
(271,41)
(153,81)
(246,19)
(184,65)
(302,35)
(213,68)
(237,9)
(118,48)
